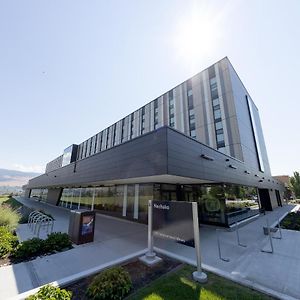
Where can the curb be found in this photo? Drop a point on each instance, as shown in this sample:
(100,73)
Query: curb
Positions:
(70,279)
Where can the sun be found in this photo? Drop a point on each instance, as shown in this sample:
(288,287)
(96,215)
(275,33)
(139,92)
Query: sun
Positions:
(196,35)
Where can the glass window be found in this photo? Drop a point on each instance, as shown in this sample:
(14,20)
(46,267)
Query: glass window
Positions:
(220,145)
(214,93)
(190,102)
(241,203)
(218,125)
(216,107)
(216,102)
(193,133)
(190,92)
(212,204)
(213,81)
(86,198)
(109,200)
(220,137)
(145,194)
(219,131)
(217,114)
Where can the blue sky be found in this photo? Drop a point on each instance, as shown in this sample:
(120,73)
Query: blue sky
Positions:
(70,68)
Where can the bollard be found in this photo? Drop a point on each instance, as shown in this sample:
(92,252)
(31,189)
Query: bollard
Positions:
(150,258)
(238,236)
(270,239)
(219,248)
(279,229)
(198,275)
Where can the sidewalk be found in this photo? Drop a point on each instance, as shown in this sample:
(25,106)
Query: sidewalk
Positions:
(277,273)
(114,241)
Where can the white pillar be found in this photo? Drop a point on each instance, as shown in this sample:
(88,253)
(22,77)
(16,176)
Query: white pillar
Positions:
(93,201)
(79,198)
(136,201)
(124,200)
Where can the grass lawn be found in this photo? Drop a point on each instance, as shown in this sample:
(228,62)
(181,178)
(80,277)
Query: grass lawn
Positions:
(12,202)
(180,286)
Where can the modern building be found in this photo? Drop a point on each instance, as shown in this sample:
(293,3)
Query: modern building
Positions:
(285,180)
(200,141)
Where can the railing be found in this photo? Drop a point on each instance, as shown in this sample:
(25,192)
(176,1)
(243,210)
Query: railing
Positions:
(38,220)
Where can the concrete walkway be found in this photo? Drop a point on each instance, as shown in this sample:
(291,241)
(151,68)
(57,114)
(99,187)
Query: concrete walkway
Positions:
(277,273)
(114,240)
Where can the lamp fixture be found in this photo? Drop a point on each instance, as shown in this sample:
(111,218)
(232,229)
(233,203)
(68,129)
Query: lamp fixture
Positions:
(206,157)
(232,167)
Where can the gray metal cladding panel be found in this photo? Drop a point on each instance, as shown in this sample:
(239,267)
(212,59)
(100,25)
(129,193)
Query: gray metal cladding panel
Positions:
(184,159)
(144,156)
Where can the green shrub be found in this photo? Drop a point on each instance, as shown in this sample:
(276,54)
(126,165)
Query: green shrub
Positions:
(8,241)
(9,217)
(49,292)
(57,241)
(29,249)
(114,283)
(12,202)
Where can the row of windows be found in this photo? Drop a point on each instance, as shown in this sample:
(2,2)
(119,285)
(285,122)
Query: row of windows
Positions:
(191,112)
(107,137)
(217,113)
(171,109)
(126,129)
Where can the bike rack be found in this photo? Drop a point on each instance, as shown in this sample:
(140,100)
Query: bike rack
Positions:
(219,246)
(38,220)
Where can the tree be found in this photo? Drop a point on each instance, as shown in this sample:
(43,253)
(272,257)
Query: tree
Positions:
(295,184)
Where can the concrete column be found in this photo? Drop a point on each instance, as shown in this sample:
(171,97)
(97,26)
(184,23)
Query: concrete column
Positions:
(136,201)
(124,201)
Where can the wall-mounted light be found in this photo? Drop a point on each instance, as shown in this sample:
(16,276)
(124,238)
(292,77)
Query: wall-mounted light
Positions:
(260,180)
(227,159)
(206,157)
(256,175)
(232,167)
(247,172)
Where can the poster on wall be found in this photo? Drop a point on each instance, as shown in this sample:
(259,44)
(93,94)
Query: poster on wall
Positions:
(87,225)
(173,220)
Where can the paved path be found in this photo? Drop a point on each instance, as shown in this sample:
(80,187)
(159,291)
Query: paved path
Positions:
(278,272)
(114,239)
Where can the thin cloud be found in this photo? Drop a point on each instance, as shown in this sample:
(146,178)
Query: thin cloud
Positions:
(30,168)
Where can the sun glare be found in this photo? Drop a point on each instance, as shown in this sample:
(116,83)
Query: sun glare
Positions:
(197,34)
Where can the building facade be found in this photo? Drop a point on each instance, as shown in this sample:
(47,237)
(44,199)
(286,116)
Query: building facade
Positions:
(200,141)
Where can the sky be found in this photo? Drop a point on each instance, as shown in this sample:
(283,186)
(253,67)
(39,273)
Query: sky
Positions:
(69,69)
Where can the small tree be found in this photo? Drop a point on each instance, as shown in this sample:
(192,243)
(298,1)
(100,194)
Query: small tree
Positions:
(295,184)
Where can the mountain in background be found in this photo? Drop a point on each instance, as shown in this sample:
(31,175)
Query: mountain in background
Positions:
(13,178)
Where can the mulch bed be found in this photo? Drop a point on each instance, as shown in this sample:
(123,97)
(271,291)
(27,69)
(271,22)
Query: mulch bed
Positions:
(140,274)
(5,261)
